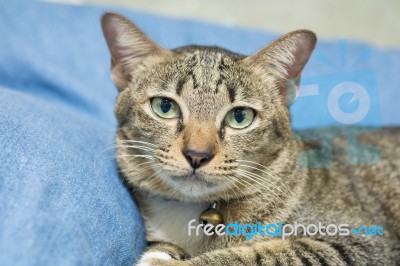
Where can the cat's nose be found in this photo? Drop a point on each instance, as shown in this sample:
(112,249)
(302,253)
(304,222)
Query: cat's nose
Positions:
(197,158)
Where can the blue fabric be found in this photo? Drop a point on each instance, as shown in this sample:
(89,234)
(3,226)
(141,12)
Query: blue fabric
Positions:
(61,200)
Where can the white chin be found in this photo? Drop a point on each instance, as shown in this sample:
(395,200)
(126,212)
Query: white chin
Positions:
(198,190)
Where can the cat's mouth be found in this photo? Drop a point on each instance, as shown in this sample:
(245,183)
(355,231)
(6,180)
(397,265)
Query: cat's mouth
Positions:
(194,178)
(193,186)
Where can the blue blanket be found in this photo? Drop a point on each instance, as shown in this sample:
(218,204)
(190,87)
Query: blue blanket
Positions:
(61,200)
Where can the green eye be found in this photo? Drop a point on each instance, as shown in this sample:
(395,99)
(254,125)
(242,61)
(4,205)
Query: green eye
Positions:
(240,117)
(165,108)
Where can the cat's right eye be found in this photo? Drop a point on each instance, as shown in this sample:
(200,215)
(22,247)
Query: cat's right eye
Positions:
(240,117)
(165,108)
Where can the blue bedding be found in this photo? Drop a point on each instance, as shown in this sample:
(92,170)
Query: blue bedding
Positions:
(61,200)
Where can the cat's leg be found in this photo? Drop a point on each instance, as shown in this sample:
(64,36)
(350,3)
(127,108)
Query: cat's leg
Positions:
(161,252)
(301,251)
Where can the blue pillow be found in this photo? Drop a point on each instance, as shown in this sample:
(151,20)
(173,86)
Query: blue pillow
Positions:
(61,200)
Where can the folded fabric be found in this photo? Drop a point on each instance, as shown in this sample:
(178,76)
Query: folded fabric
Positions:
(61,199)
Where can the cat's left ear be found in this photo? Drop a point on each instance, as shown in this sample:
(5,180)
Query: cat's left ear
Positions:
(129,47)
(284,58)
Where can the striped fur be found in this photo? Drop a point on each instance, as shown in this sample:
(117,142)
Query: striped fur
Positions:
(253,174)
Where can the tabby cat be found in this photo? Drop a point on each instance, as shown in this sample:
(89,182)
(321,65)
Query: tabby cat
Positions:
(203,130)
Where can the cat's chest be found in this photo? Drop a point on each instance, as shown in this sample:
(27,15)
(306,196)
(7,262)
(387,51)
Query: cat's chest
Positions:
(169,221)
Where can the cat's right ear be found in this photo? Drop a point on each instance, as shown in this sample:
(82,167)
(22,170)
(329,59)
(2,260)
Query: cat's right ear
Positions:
(128,46)
(284,58)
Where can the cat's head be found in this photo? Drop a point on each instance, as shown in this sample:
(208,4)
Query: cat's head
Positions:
(202,123)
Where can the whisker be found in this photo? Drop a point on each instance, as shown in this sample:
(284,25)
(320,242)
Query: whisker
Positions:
(135,156)
(136,147)
(137,141)
(233,183)
(153,177)
(270,202)
(254,179)
(271,173)
(261,177)
(270,186)
(114,146)
(143,169)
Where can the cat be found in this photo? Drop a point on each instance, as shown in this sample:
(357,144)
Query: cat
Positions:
(203,130)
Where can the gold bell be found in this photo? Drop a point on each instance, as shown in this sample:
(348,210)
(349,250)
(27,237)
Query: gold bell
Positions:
(211,216)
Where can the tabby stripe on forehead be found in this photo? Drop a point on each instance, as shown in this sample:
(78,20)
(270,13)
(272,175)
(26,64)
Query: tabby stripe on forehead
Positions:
(231,92)
(179,85)
(195,84)
(221,68)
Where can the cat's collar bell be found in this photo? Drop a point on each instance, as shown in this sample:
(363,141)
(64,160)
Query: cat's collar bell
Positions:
(211,216)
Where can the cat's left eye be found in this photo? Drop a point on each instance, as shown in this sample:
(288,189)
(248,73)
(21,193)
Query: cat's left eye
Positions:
(240,117)
(165,108)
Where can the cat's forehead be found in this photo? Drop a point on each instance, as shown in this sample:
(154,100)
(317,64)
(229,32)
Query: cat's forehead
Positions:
(208,80)
(209,75)
(205,79)
(203,70)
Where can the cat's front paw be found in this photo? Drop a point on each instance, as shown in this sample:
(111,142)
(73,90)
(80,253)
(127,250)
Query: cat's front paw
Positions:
(159,258)
(154,258)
